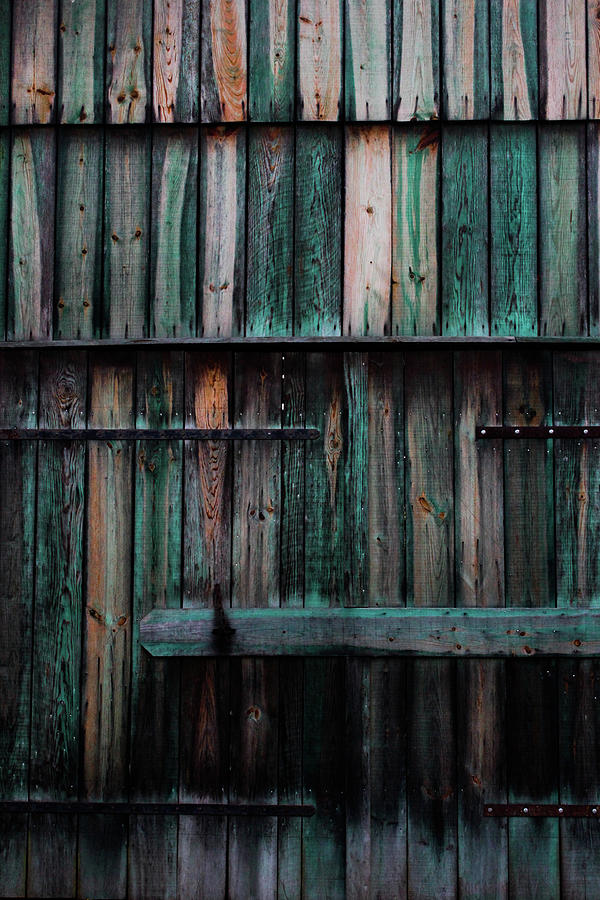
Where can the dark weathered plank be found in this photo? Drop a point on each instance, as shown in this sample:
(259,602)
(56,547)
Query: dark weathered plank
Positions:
(5,73)
(224,91)
(33,77)
(176,61)
(465,59)
(416,60)
(367,59)
(563,70)
(319,78)
(514,60)
(272,58)
(593,225)
(81,61)
(4,226)
(593,59)
(128,61)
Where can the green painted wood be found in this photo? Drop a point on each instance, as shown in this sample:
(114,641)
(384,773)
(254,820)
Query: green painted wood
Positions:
(157,551)
(81,61)
(465,59)
(318,236)
(55,697)
(78,251)
(367,59)
(513,230)
(174,251)
(126,233)
(222,232)
(223,55)
(176,60)
(416,162)
(31,241)
(128,61)
(593,225)
(416,60)
(319,65)
(4,227)
(271,60)
(562,187)
(563,70)
(514,60)
(33,59)
(465,231)
(5,72)
(18,407)
(270,231)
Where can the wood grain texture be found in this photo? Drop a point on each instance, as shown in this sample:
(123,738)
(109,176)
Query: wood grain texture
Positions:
(128,61)
(81,61)
(593,225)
(176,60)
(368,231)
(319,79)
(563,64)
(415,231)
(270,231)
(367,59)
(416,60)
(465,55)
(514,60)
(31,247)
(224,77)
(80,194)
(513,227)
(563,281)
(593,59)
(5,66)
(33,78)
(272,59)
(4,227)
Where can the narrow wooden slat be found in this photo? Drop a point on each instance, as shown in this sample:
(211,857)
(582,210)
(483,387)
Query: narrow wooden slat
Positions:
(514,60)
(465,54)
(4,227)
(222,227)
(126,234)
(54,762)
(270,231)
(513,227)
(33,77)
(563,69)
(563,280)
(416,60)
(593,225)
(368,231)
(593,59)
(81,61)
(79,233)
(272,59)
(465,231)
(318,234)
(367,59)
(31,248)
(176,62)
(415,231)
(128,61)
(224,91)
(18,406)
(5,72)
(319,59)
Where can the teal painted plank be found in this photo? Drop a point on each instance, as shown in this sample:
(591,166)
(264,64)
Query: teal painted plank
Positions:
(416,60)
(593,227)
(223,81)
(176,60)
(563,69)
(367,59)
(5,16)
(514,60)
(319,66)
(465,59)
(272,60)
(33,59)
(128,60)
(4,226)
(81,61)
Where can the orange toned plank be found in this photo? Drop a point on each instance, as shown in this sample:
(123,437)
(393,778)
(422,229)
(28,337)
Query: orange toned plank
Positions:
(34,31)
(224,90)
(319,59)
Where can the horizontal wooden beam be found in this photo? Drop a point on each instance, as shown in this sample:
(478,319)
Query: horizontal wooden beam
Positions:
(446,632)
(156,809)
(543,810)
(543,432)
(164,434)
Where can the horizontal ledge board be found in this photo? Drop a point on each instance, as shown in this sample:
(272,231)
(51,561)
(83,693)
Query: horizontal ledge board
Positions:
(165,434)
(154,809)
(546,432)
(443,632)
(543,810)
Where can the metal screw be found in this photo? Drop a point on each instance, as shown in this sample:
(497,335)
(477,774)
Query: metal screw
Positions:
(525,809)
(551,431)
(517,430)
(489,807)
(594,811)
(560,809)
(585,431)
(483,430)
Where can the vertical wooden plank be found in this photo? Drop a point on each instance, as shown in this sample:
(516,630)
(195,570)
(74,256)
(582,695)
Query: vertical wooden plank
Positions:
(479,548)
(319,59)
(593,59)
(416,60)
(415,231)
(563,69)
(79,233)
(513,225)
(102,850)
(465,53)
(270,231)
(514,60)
(563,277)
(272,60)
(465,231)
(55,705)
(18,409)
(367,59)
(368,231)
(31,247)
(174,204)
(593,225)
(4,227)
(33,77)
(5,67)
(128,61)
(223,85)
(222,226)
(81,61)
(126,234)
(318,234)
(156,583)
(431,777)
(176,62)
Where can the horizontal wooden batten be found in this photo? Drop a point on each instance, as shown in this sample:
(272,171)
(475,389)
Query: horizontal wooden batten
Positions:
(543,810)
(166,434)
(444,632)
(546,432)
(156,809)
